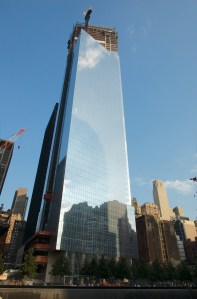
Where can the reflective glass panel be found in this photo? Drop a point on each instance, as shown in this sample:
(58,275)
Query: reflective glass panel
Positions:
(95,212)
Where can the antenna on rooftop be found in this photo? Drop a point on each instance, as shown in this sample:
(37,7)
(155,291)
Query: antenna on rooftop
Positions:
(87,16)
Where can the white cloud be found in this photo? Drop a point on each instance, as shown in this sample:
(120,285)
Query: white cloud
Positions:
(92,56)
(75,110)
(134,49)
(139,181)
(194,169)
(185,187)
(137,33)
(131,33)
(66,185)
(144,31)
(67,182)
(131,30)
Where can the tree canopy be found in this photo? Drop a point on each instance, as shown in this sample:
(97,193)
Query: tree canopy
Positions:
(1,264)
(29,266)
(61,266)
(105,269)
(139,270)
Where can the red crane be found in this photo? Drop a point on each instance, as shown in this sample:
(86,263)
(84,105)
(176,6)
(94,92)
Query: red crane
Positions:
(11,140)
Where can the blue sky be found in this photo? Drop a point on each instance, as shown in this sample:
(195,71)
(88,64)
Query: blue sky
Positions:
(158,55)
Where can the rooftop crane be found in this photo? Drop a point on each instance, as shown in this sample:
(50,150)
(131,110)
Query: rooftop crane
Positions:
(195,181)
(87,16)
(8,142)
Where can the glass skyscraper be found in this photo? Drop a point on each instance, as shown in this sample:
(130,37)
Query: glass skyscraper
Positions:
(89,210)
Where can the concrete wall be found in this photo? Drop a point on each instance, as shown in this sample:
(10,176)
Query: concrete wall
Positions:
(96,293)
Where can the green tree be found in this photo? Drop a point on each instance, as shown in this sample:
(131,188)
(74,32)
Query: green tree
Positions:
(94,268)
(85,269)
(61,266)
(169,272)
(183,272)
(29,266)
(140,270)
(112,268)
(103,269)
(124,269)
(156,271)
(1,264)
(194,271)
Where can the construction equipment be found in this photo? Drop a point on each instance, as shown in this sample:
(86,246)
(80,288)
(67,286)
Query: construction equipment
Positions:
(12,139)
(8,143)
(195,186)
(87,16)
(6,150)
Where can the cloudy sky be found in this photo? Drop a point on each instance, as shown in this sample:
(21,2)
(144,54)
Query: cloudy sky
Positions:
(158,55)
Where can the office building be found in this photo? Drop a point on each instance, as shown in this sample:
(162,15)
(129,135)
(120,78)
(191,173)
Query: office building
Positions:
(11,235)
(87,201)
(6,151)
(148,235)
(181,248)
(150,209)
(189,229)
(19,203)
(8,240)
(156,237)
(137,207)
(4,226)
(38,189)
(191,250)
(15,243)
(157,240)
(171,245)
(161,200)
(185,228)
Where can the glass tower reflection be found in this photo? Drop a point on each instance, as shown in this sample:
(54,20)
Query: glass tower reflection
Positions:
(91,212)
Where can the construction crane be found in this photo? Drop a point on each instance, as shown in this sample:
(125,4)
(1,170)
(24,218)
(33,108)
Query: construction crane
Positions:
(195,181)
(87,16)
(8,142)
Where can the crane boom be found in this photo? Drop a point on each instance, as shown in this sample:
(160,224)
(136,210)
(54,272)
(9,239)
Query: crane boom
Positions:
(12,139)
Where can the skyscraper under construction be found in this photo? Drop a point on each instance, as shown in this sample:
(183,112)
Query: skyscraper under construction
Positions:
(87,208)
(6,151)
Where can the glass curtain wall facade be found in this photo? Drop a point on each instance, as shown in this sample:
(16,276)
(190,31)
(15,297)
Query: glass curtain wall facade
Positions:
(91,212)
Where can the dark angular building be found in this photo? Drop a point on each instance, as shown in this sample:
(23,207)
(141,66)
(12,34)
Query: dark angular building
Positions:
(6,151)
(39,184)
